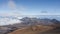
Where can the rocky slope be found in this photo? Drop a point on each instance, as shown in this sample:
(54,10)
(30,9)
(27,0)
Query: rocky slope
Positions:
(32,30)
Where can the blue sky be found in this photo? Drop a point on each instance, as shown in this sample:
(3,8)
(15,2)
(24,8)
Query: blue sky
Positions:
(29,7)
(17,8)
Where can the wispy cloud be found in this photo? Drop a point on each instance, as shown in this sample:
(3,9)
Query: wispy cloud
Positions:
(12,5)
(13,9)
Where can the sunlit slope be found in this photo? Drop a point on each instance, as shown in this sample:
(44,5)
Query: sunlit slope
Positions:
(32,30)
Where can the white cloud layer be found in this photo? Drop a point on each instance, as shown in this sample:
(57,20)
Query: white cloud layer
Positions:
(7,21)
